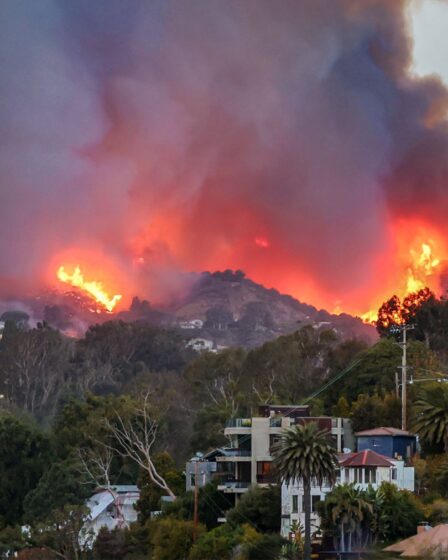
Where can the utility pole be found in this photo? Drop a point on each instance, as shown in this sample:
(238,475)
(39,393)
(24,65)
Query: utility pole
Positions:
(196,460)
(404,374)
(196,485)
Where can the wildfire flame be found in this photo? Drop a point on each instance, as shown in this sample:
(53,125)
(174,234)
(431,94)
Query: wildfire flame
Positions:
(423,265)
(91,287)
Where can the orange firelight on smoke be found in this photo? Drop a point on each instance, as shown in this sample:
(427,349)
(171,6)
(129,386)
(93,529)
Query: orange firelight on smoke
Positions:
(93,288)
(422,271)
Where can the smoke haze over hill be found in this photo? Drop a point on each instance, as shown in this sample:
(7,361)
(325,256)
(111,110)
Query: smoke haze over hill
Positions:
(145,139)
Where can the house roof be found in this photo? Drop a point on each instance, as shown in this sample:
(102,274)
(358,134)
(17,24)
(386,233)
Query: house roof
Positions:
(425,544)
(102,499)
(384,432)
(366,458)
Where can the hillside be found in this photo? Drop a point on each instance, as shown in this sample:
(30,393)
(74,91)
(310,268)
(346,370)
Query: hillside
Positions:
(223,308)
(230,309)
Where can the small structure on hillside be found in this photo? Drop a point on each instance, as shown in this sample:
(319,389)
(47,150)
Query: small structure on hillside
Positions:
(111,508)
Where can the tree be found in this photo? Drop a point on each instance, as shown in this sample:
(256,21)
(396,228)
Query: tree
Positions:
(172,539)
(261,507)
(133,437)
(63,532)
(395,312)
(345,508)
(400,512)
(305,453)
(110,545)
(33,369)
(59,485)
(211,504)
(430,419)
(216,379)
(356,517)
(25,453)
(218,543)
(370,411)
(151,493)
(289,368)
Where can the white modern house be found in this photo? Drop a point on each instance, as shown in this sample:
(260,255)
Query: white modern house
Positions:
(364,468)
(111,508)
(248,460)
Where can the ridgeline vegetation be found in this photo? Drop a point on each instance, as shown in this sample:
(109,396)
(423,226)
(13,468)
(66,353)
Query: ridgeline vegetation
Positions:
(64,399)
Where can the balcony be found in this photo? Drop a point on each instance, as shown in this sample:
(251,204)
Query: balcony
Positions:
(238,426)
(233,486)
(265,479)
(235,454)
(239,423)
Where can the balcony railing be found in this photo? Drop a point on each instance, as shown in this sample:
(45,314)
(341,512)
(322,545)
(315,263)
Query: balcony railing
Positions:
(239,423)
(265,479)
(234,484)
(236,452)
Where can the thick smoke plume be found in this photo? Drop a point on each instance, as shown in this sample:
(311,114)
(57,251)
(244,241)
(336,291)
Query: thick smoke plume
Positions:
(142,139)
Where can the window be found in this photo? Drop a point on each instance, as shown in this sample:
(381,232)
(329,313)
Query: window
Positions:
(370,475)
(192,479)
(347,475)
(337,474)
(393,474)
(358,476)
(314,501)
(295,504)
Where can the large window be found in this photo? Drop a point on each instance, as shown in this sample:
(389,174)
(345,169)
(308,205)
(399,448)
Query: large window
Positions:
(314,501)
(264,475)
(370,475)
(295,503)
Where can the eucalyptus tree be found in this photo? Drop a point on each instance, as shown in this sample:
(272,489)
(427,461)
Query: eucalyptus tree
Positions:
(305,455)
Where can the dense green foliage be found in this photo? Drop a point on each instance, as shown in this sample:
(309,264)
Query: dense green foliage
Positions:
(60,395)
(356,518)
(261,507)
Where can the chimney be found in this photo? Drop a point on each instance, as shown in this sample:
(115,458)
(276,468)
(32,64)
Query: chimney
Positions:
(422,527)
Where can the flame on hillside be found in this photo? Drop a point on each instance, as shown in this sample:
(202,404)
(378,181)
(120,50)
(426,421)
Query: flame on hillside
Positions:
(93,288)
(423,265)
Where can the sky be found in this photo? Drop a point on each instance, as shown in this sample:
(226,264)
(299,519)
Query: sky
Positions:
(429,25)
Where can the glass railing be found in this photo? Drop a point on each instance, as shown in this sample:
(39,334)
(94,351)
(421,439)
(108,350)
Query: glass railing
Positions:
(234,484)
(238,452)
(239,423)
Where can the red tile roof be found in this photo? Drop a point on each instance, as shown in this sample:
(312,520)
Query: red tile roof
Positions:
(384,432)
(367,458)
(428,544)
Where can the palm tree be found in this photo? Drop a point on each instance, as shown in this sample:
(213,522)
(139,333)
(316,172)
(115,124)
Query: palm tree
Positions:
(305,453)
(431,415)
(347,508)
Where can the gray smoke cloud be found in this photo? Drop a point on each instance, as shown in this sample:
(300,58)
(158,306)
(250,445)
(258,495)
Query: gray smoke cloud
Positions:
(183,132)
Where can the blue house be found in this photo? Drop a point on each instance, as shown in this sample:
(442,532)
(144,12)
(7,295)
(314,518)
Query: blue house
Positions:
(390,442)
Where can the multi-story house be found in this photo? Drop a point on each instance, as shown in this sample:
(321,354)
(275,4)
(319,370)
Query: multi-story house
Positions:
(363,469)
(247,462)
